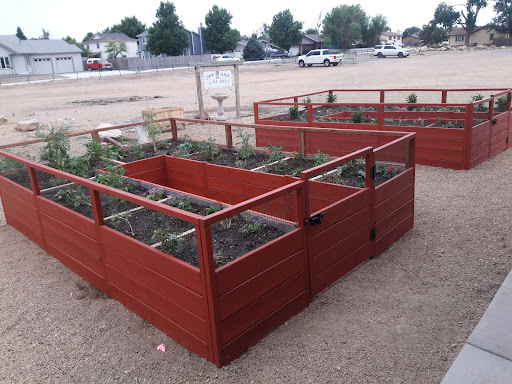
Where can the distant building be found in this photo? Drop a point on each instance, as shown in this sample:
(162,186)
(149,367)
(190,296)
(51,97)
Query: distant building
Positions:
(411,40)
(38,56)
(481,35)
(196,44)
(97,44)
(391,38)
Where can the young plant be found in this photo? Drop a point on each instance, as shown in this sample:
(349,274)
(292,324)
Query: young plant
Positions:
(72,197)
(352,168)
(209,148)
(307,100)
(211,210)
(155,194)
(296,172)
(275,153)
(412,98)
(246,149)
(94,152)
(116,220)
(170,241)
(137,151)
(319,158)
(294,112)
(114,152)
(180,202)
(357,117)
(252,224)
(153,129)
(185,148)
(162,145)
(78,166)
(298,156)
(501,104)
(479,107)
(332,98)
(113,177)
(55,152)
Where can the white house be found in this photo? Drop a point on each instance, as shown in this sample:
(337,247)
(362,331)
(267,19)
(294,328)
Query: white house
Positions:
(97,44)
(391,38)
(38,56)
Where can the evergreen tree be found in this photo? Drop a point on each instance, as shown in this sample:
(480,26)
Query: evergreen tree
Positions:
(20,35)
(284,31)
(253,50)
(88,36)
(167,35)
(218,33)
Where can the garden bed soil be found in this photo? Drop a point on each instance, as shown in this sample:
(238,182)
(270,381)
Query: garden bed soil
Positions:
(291,166)
(167,148)
(230,158)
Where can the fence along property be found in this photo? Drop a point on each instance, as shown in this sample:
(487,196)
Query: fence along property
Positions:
(451,132)
(218,311)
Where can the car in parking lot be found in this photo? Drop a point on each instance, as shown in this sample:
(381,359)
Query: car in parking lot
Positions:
(390,50)
(226,58)
(277,54)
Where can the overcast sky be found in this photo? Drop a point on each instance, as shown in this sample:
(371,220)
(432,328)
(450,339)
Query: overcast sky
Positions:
(76,18)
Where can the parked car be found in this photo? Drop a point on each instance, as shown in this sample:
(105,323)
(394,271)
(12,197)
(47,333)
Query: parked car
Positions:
(320,56)
(277,54)
(226,58)
(99,64)
(390,50)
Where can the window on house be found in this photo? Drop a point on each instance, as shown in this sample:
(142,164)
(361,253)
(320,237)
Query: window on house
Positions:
(4,62)
(143,40)
(98,46)
(88,46)
(459,38)
(491,36)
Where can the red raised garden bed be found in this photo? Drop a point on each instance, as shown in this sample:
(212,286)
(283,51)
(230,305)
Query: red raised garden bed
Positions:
(450,134)
(326,230)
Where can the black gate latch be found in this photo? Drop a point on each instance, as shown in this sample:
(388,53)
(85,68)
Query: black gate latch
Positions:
(315,219)
(494,121)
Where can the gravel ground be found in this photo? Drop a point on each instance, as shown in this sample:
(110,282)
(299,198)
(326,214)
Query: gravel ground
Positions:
(400,318)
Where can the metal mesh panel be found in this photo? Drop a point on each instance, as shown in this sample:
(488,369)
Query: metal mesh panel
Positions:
(15,172)
(390,161)
(246,231)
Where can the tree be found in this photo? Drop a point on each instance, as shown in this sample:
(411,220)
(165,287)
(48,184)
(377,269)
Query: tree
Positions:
(343,25)
(167,35)
(218,33)
(114,48)
(318,22)
(410,31)
(446,16)
(45,35)
(130,26)
(20,35)
(88,36)
(469,15)
(432,34)
(253,50)
(502,22)
(310,31)
(284,31)
(70,40)
(372,29)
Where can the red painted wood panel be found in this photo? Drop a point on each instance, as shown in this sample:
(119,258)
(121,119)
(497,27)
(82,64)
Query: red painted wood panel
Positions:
(398,231)
(84,249)
(175,269)
(339,269)
(71,262)
(182,296)
(259,179)
(156,176)
(322,195)
(338,231)
(394,202)
(262,307)
(392,220)
(259,260)
(22,216)
(240,344)
(156,302)
(145,165)
(439,154)
(453,145)
(257,286)
(17,190)
(392,186)
(339,250)
(67,216)
(180,335)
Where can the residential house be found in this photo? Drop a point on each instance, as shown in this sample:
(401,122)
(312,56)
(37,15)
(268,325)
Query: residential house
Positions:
(266,45)
(309,42)
(481,35)
(391,38)
(411,40)
(196,43)
(97,44)
(38,56)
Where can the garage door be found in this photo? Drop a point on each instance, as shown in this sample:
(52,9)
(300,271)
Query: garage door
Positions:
(43,65)
(64,65)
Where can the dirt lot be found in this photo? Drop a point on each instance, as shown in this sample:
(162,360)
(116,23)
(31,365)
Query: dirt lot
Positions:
(400,318)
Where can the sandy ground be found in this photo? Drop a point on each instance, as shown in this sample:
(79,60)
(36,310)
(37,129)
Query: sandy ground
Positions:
(400,318)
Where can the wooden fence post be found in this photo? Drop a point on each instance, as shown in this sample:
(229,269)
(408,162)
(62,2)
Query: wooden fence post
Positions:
(468,134)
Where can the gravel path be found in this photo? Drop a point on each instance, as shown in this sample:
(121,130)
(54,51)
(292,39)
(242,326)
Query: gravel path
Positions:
(400,318)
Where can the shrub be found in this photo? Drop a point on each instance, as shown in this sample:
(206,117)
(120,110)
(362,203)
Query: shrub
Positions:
(332,98)
(294,112)
(357,117)
(55,152)
(253,50)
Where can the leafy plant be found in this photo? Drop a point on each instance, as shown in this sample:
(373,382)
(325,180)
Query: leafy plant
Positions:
(386,172)
(72,197)
(170,241)
(319,158)
(113,177)
(226,223)
(210,210)
(411,99)
(479,107)
(94,152)
(116,220)
(209,148)
(501,104)
(296,172)
(55,152)
(252,224)
(246,149)
(298,156)
(162,144)
(78,166)
(240,164)
(332,98)
(294,112)
(357,117)
(275,153)
(180,202)
(352,168)
(114,152)
(153,129)
(138,151)
(185,148)
(307,100)
(155,194)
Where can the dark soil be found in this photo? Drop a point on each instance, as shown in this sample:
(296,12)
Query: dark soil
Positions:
(291,166)
(169,148)
(113,100)
(231,158)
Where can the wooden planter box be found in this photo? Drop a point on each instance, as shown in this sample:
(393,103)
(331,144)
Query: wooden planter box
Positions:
(455,148)
(218,313)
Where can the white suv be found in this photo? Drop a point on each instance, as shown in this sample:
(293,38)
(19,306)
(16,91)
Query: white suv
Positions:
(390,50)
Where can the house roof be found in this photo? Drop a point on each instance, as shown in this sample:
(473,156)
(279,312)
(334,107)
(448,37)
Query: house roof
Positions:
(388,33)
(315,37)
(143,34)
(462,31)
(104,37)
(414,36)
(32,47)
